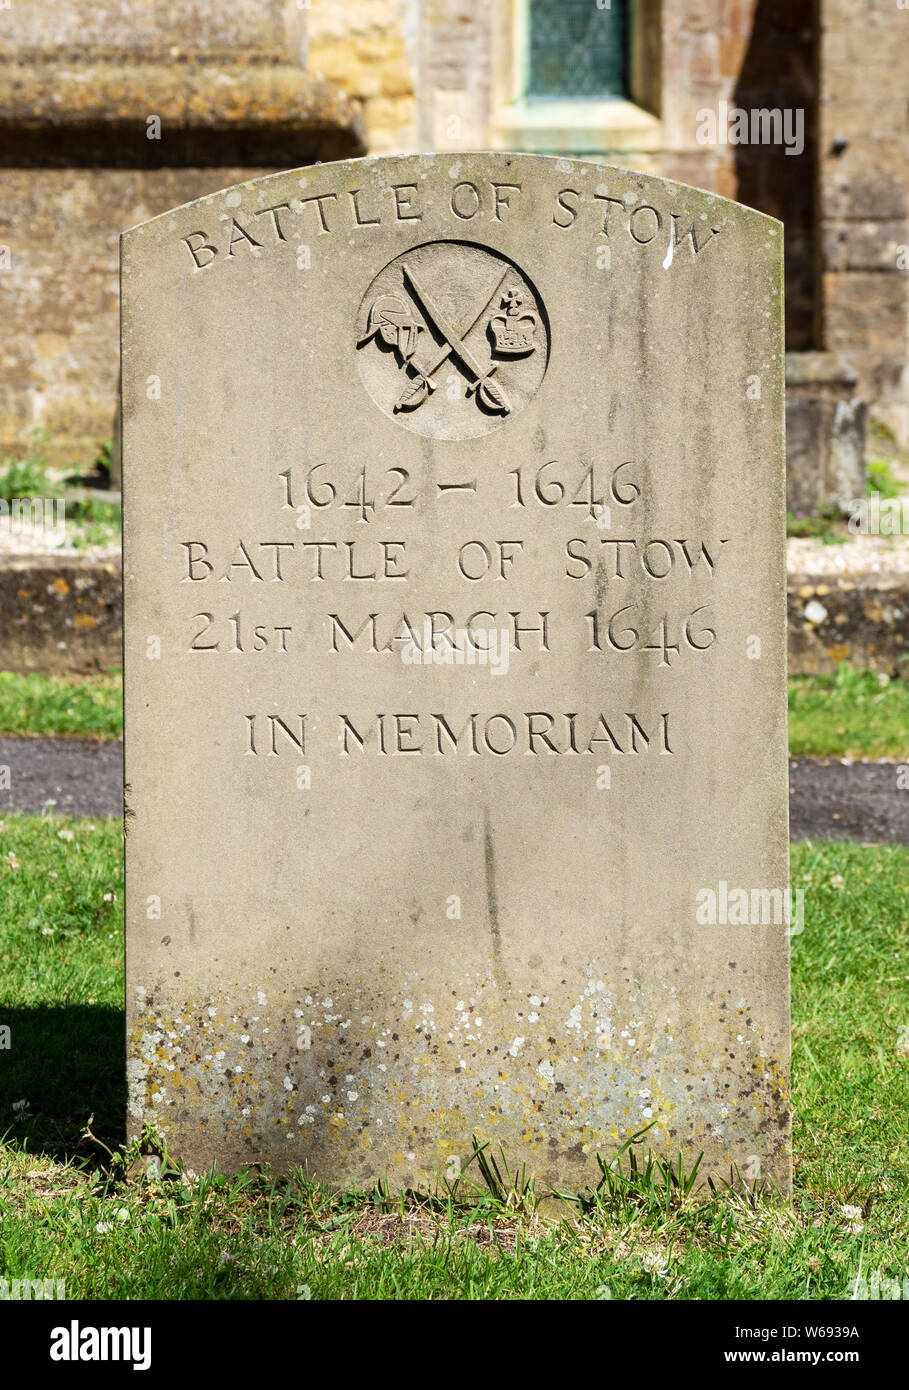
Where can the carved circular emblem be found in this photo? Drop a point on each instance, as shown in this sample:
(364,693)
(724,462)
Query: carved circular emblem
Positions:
(452,339)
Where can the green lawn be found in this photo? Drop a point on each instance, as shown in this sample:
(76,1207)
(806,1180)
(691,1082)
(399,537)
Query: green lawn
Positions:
(67,1212)
(855,714)
(91,517)
(90,706)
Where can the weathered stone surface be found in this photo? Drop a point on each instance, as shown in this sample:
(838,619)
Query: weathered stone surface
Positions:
(865,618)
(61,331)
(864,174)
(92,99)
(370,49)
(844,67)
(260,29)
(59,614)
(98,114)
(864,245)
(825,433)
(860,618)
(377,905)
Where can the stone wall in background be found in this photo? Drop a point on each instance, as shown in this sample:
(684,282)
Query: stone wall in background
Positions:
(861,618)
(864,180)
(368,49)
(40,30)
(748,54)
(438,74)
(844,65)
(60,613)
(269,84)
(108,116)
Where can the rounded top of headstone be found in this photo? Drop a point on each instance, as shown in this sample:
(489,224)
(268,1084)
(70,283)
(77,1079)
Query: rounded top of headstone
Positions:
(608,186)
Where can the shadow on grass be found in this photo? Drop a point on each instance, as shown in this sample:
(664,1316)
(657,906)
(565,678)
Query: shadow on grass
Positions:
(68,1063)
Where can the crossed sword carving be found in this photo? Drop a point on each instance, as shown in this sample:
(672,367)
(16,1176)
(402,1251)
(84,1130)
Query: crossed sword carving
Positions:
(489,391)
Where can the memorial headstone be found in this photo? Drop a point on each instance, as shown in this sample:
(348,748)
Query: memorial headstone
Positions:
(455,671)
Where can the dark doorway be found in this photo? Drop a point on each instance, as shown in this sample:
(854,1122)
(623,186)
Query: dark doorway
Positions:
(780,71)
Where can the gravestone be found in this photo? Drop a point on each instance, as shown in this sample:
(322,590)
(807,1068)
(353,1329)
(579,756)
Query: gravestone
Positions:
(455,671)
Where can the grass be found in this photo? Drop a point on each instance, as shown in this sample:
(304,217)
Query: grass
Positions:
(97,522)
(24,478)
(881,479)
(824,527)
(90,519)
(70,1209)
(31,475)
(856,714)
(89,707)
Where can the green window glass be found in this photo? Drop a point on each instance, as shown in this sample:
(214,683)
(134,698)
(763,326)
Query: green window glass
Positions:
(576,49)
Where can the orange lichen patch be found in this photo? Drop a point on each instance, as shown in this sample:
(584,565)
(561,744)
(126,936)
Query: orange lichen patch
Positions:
(60,585)
(84,620)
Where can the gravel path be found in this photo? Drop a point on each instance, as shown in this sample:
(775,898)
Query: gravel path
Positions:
(83,777)
(863,555)
(829,799)
(833,800)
